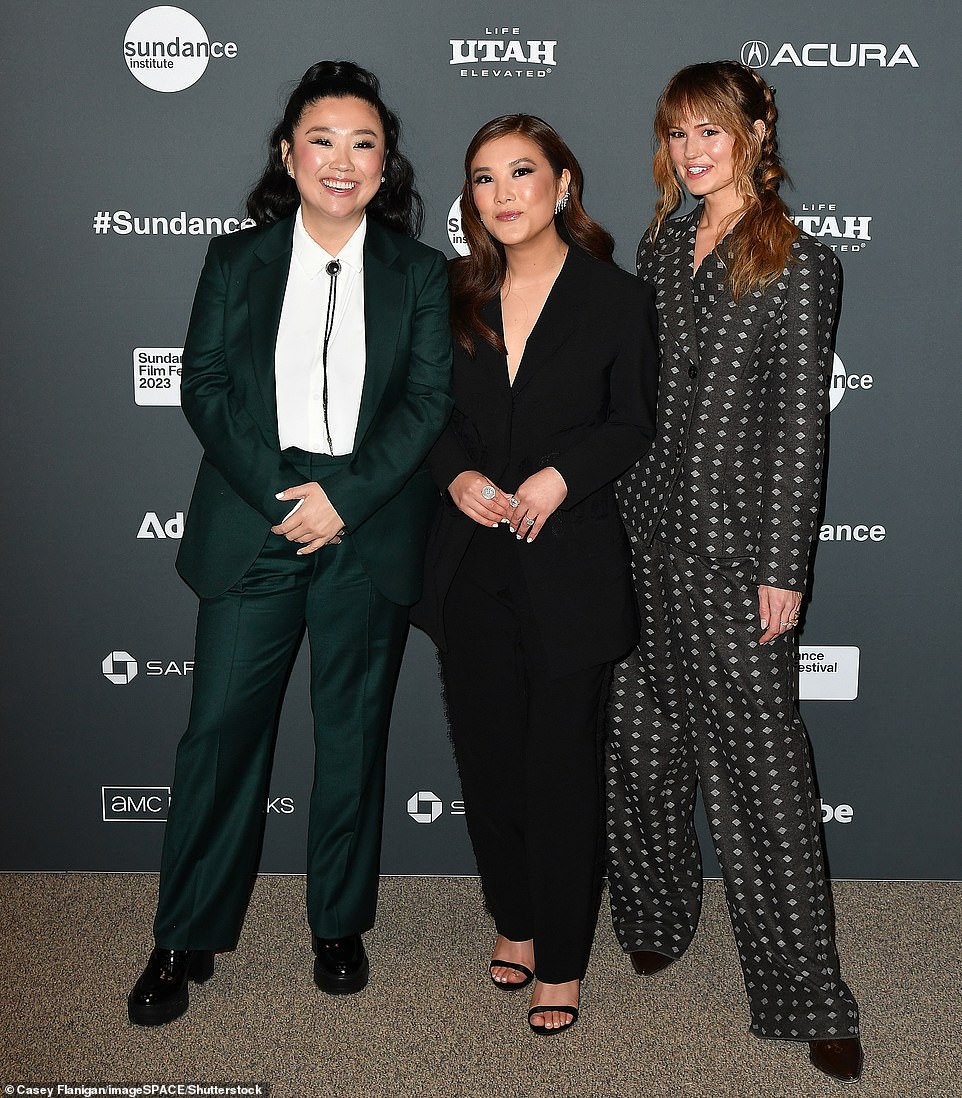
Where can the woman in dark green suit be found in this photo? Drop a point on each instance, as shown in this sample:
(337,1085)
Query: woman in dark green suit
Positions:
(316,376)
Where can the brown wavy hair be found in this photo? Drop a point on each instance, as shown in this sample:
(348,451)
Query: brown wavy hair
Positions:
(478,277)
(733,96)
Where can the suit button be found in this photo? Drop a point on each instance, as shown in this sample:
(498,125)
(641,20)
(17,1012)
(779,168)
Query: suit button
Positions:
(693,371)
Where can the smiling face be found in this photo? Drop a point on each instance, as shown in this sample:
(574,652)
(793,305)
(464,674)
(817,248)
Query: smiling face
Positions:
(515,189)
(701,152)
(336,161)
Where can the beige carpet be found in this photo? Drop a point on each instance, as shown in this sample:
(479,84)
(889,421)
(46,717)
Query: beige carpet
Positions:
(429,1022)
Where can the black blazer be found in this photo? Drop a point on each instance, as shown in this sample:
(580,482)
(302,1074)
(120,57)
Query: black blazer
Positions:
(583,401)
(736,470)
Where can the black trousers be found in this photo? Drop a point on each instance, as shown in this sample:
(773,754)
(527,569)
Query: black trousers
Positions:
(527,744)
(699,701)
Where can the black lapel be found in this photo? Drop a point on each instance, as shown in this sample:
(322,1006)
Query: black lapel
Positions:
(556,321)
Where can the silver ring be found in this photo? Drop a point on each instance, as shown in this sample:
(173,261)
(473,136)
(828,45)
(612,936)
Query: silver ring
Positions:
(489,491)
(514,502)
(528,521)
(787,623)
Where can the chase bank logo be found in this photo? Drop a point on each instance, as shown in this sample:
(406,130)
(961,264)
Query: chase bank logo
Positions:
(424,807)
(755,54)
(119,668)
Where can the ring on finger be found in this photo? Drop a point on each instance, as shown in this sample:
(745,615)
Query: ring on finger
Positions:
(489,491)
(513,502)
(528,520)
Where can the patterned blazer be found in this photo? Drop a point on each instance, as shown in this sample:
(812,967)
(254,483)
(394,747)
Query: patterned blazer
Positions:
(736,469)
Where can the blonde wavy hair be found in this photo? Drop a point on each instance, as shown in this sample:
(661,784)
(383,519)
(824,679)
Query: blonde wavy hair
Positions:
(732,96)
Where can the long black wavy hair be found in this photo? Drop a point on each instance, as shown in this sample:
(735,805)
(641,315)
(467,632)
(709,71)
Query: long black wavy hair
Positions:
(397,204)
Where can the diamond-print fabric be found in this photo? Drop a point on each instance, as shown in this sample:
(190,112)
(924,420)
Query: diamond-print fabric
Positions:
(699,700)
(736,469)
(727,499)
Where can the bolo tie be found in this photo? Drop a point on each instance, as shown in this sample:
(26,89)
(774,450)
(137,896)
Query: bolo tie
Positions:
(333,268)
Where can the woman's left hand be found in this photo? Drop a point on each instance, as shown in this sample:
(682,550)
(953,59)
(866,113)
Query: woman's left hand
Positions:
(777,611)
(538,498)
(314,523)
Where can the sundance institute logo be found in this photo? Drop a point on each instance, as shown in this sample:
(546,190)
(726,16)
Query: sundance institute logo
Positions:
(167,49)
(455,233)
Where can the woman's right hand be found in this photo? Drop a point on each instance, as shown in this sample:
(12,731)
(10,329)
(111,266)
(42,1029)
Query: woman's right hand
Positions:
(466,489)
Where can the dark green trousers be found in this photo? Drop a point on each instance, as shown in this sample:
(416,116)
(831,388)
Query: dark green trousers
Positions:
(246,641)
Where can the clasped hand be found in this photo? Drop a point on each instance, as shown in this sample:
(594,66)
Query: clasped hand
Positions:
(314,523)
(526,510)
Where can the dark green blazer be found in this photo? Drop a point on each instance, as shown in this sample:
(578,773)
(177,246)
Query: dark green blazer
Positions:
(384,494)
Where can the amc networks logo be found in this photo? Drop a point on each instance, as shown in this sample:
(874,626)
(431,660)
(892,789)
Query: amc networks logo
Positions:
(135,803)
(151,803)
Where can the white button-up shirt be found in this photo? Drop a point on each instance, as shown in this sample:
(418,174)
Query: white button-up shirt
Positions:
(298,363)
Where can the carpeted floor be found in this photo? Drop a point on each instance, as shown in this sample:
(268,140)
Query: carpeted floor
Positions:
(430,1024)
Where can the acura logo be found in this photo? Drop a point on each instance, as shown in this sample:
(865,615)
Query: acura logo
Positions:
(755,54)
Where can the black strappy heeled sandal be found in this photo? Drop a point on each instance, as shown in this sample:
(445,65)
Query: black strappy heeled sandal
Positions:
(507,985)
(543,1030)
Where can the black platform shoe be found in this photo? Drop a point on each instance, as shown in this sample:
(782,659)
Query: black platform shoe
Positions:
(160,995)
(340,964)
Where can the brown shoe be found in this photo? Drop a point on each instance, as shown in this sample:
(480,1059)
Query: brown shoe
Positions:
(840,1059)
(648,963)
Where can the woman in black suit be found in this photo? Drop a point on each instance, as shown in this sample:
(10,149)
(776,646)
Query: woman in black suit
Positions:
(527,588)
(723,513)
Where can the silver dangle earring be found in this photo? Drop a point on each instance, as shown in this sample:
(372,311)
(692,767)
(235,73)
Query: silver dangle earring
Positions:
(561,203)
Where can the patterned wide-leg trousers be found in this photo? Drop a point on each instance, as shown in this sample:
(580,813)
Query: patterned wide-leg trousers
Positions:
(700,701)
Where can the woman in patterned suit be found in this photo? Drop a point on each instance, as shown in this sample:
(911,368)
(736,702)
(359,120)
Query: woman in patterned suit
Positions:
(722,513)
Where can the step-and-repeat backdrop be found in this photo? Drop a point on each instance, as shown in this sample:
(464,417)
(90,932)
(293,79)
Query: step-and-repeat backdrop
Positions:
(133,135)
